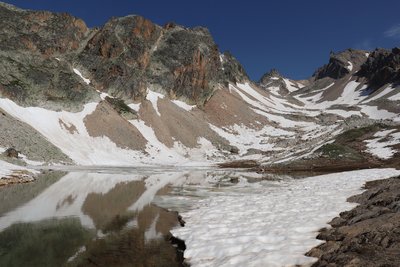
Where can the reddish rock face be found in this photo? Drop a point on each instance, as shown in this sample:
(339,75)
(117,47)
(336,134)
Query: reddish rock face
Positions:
(194,75)
(144,28)
(43,32)
(124,57)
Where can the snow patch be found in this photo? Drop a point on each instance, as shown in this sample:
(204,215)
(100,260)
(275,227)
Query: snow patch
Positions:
(343,113)
(135,107)
(395,97)
(384,92)
(87,81)
(378,114)
(290,86)
(153,98)
(183,105)
(8,169)
(381,145)
(349,66)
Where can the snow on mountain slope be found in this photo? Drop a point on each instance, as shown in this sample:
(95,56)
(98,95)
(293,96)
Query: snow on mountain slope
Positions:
(262,125)
(67,131)
(274,120)
(383,143)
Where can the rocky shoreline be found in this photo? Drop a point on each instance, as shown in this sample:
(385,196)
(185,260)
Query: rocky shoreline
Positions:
(369,234)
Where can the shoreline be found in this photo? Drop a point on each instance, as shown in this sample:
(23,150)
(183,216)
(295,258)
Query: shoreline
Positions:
(367,235)
(344,242)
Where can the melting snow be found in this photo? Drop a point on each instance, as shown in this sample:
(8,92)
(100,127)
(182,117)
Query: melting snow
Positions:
(79,145)
(343,113)
(349,66)
(87,81)
(316,97)
(350,96)
(268,223)
(381,145)
(183,105)
(135,107)
(7,169)
(153,98)
(384,92)
(377,114)
(290,86)
(395,97)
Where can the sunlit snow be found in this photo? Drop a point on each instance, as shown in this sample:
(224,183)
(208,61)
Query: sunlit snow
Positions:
(271,223)
(87,81)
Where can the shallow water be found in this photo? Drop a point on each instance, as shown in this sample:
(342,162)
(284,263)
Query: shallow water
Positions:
(101,216)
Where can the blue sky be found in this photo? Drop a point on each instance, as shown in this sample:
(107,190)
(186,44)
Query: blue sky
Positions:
(293,36)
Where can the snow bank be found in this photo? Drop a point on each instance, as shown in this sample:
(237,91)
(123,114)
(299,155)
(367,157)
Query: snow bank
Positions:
(377,114)
(268,223)
(183,105)
(7,169)
(290,86)
(381,145)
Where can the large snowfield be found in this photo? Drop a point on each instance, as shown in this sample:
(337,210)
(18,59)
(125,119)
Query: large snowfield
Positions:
(268,223)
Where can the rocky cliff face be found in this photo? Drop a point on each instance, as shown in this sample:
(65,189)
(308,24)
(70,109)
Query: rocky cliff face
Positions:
(382,67)
(341,64)
(124,58)
(29,45)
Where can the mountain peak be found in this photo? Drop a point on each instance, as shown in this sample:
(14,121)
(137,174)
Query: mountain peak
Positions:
(342,63)
(273,74)
(382,67)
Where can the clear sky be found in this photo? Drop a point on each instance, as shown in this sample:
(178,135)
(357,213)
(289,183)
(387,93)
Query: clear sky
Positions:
(293,36)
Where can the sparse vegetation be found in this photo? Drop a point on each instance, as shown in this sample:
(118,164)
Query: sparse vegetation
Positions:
(337,151)
(120,106)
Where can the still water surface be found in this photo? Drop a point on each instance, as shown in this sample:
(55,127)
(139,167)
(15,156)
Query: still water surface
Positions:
(104,217)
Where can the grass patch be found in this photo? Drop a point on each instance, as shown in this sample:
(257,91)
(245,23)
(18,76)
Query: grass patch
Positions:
(358,134)
(337,151)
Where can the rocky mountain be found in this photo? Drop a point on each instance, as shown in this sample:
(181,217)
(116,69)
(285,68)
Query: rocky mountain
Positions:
(135,93)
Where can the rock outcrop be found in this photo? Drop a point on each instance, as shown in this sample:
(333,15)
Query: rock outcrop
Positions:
(341,64)
(40,50)
(367,235)
(382,67)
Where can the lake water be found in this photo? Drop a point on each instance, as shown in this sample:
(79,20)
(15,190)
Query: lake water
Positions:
(100,217)
(123,216)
